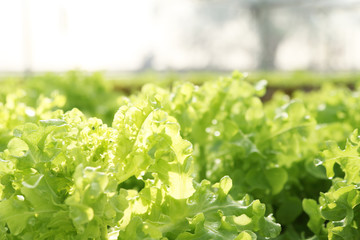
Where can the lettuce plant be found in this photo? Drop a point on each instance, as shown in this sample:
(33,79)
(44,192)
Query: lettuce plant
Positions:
(187,162)
(336,216)
(76,178)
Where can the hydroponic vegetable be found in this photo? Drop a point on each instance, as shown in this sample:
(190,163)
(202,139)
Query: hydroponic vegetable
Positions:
(187,162)
(61,179)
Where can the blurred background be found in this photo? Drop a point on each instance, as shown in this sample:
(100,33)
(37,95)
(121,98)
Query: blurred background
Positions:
(117,36)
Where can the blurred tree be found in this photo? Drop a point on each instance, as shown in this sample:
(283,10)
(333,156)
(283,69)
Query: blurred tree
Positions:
(273,21)
(271,31)
(270,35)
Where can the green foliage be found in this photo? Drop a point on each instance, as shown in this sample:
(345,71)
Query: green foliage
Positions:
(90,93)
(62,178)
(263,151)
(187,162)
(339,206)
(39,97)
(208,214)
(15,111)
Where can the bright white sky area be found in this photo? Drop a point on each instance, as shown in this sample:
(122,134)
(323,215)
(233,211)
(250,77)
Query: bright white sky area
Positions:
(119,35)
(66,34)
